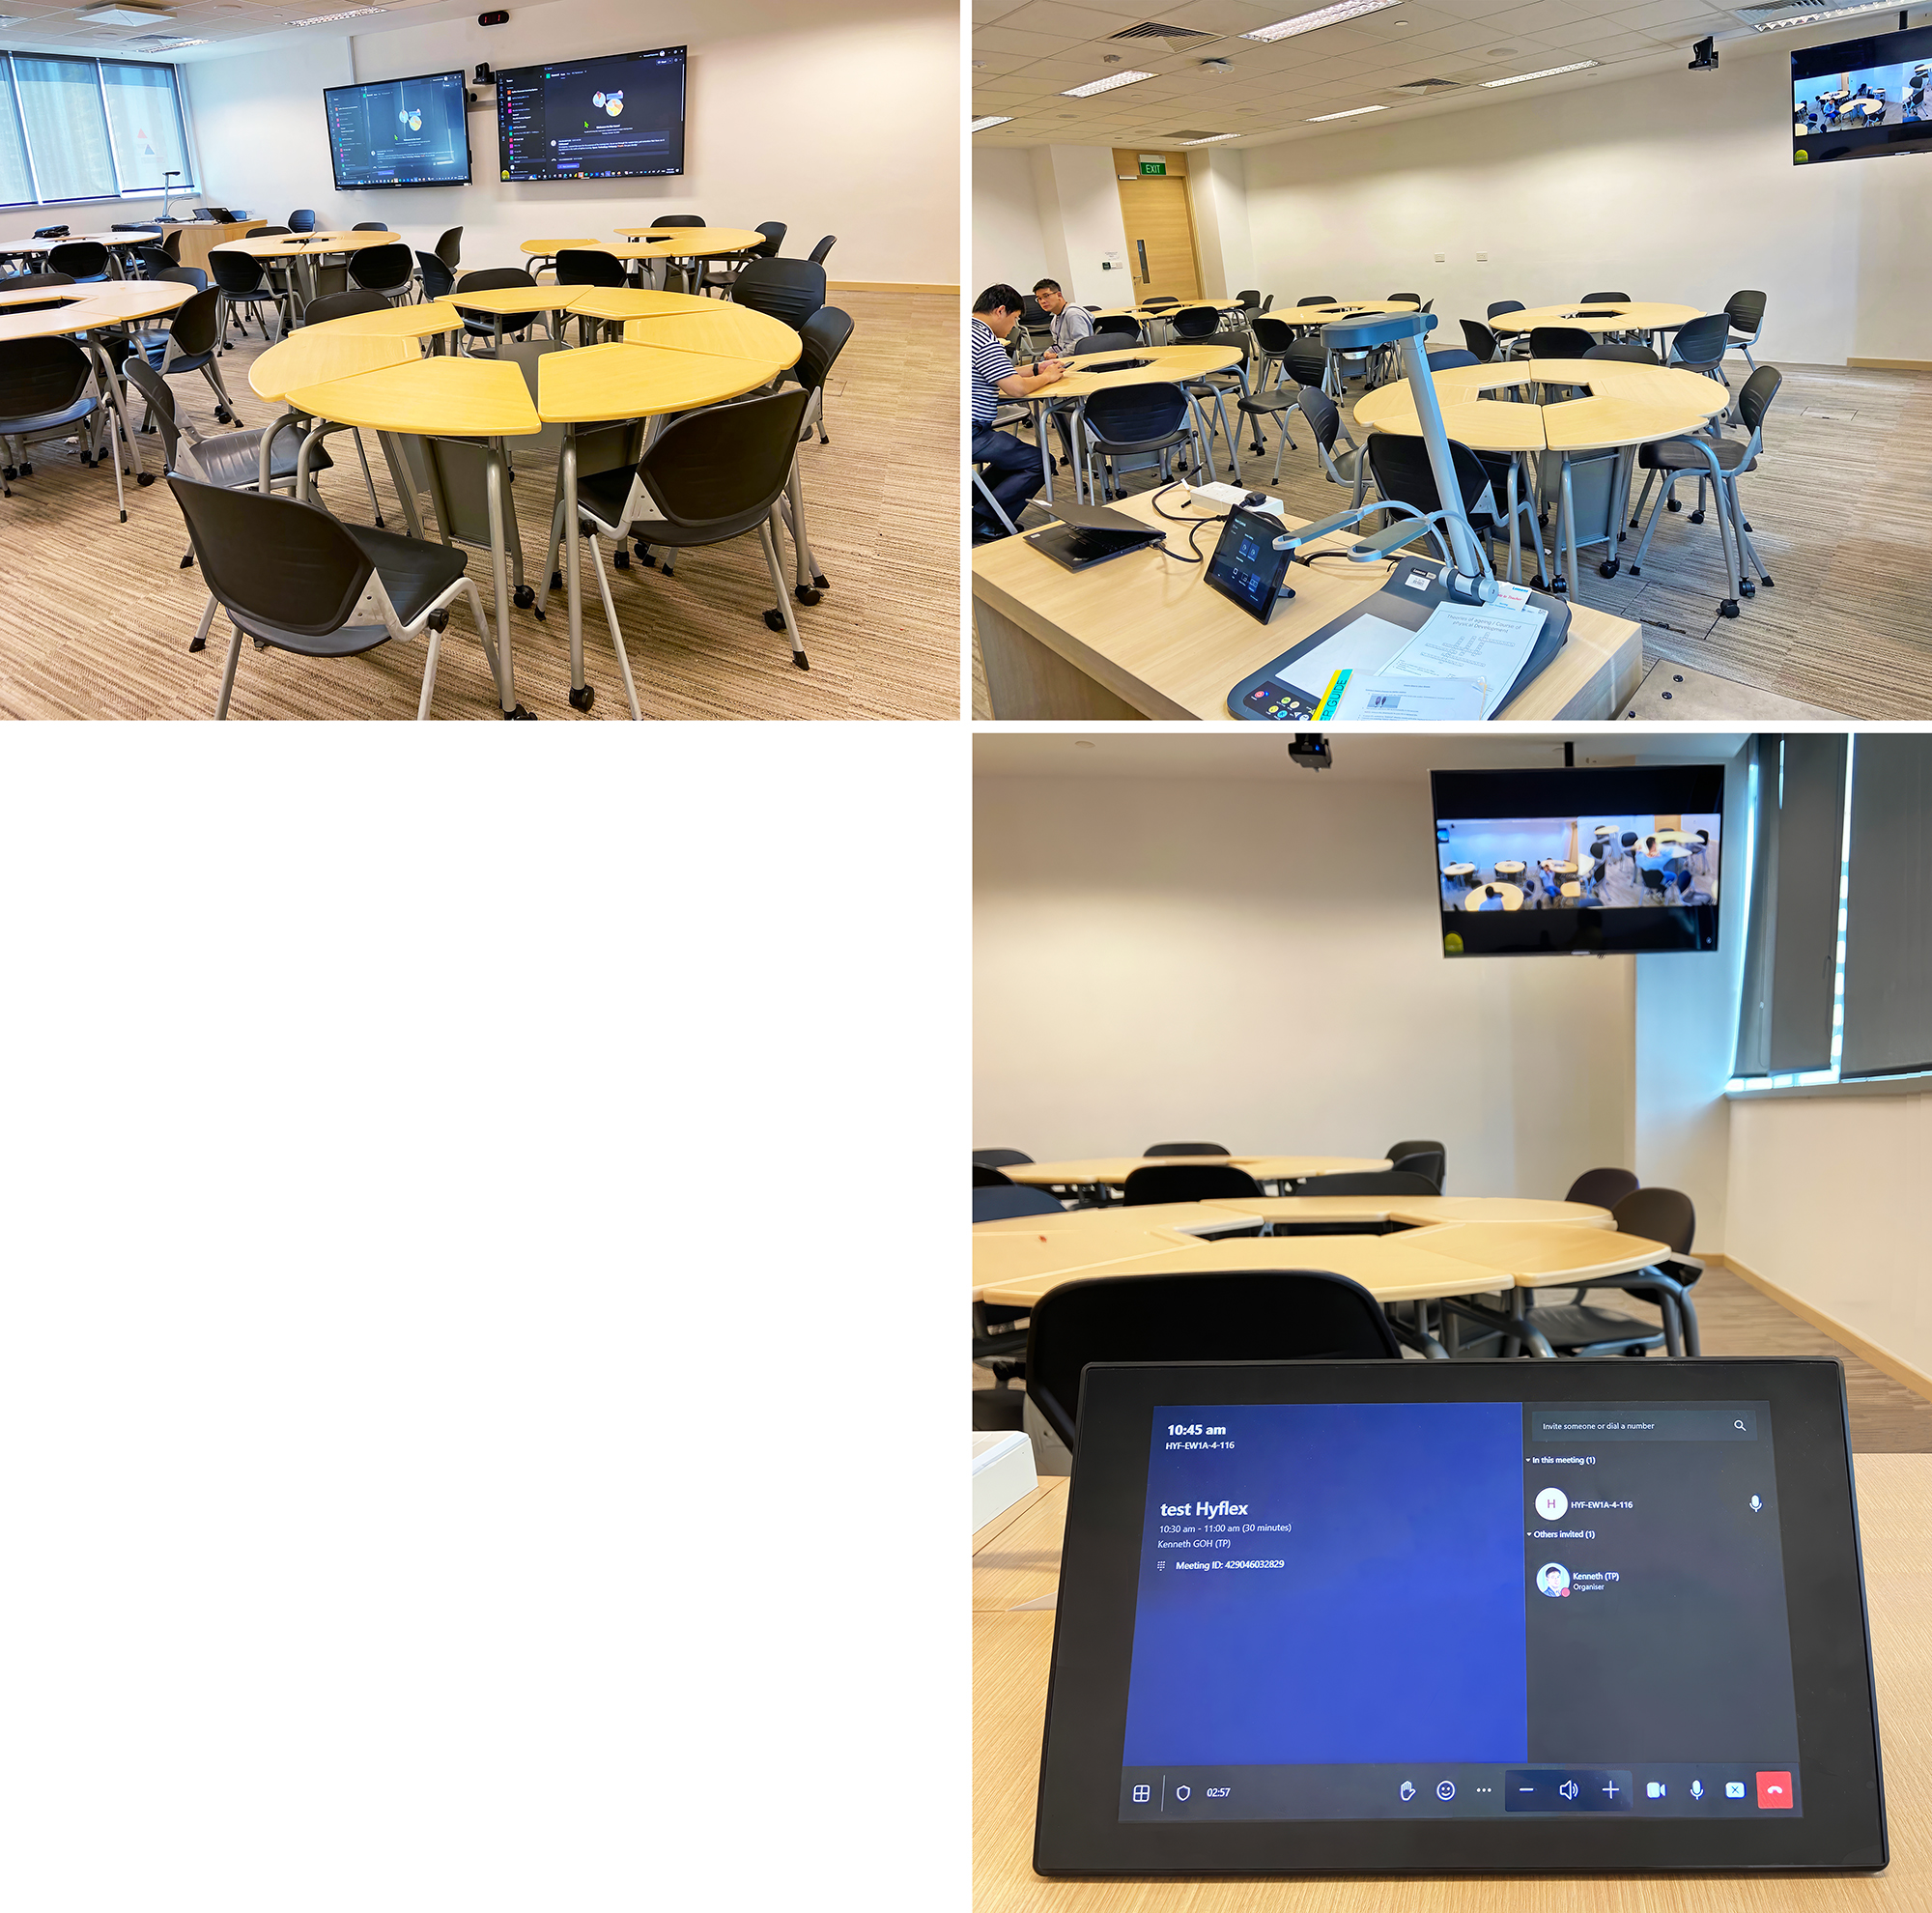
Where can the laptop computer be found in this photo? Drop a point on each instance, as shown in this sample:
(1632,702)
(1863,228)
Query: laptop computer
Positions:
(1091,535)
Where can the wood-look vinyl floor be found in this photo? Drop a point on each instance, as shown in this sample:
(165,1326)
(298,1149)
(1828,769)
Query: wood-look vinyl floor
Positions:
(1840,506)
(96,617)
(1735,1319)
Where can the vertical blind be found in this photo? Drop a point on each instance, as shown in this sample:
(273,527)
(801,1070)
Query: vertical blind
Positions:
(77,128)
(1889,910)
(1790,976)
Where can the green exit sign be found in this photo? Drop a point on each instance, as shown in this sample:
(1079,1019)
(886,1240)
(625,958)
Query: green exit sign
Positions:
(1152,165)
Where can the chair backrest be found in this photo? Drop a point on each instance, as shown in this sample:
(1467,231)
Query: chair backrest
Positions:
(1160,299)
(369,226)
(1369,1183)
(1272,336)
(1604,299)
(1306,362)
(1134,414)
(1480,340)
(576,266)
(1449,358)
(1402,472)
(1121,324)
(1186,1148)
(1499,307)
(193,327)
(1268,302)
(1413,299)
(1423,1154)
(1663,1216)
(449,248)
(439,281)
(235,272)
(1605,1188)
(1652,879)
(1001,1159)
(790,290)
(1701,341)
(271,559)
(270,232)
(1187,1182)
(1323,415)
(41,375)
(184,276)
(84,259)
(154,388)
(171,244)
(149,260)
(1559,341)
(382,266)
(1241,1315)
(997,1205)
(1411,1145)
(677,220)
(986,1177)
(1317,298)
(1195,322)
(821,339)
(1759,390)
(1630,355)
(823,246)
(22,281)
(1095,342)
(1745,312)
(343,305)
(774,231)
(723,466)
(494,278)
(302,220)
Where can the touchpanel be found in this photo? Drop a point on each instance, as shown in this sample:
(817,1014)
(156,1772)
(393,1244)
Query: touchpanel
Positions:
(1562,1610)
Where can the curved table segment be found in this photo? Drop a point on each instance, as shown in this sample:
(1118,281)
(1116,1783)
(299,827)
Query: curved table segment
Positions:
(1113,1170)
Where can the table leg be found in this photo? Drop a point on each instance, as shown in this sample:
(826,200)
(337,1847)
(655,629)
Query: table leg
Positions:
(1042,415)
(582,696)
(500,566)
(116,392)
(399,477)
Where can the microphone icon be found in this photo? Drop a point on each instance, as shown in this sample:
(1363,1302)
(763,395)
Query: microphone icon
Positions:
(1756,1505)
(1696,1790)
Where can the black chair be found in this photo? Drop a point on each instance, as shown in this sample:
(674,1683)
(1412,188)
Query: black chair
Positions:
(1744,313)
(294,579)
(1186,1148)
(719,278)
(677,220)
(1402,472)
(1603,1187)
(986,1177)
(1513,346)
(1095,342)
(577,265)
(1481,341)
(188,346)
(821,339)
(1446,359)
(1629,353)
(1576,1328)
(243,285)
(1133,422)
(1604,299)
(1245,1315)
(1001,1159)
(711,475)
(494,278)
(823,247)
(790,290)
(147,262)
(29,281)
(369,226)
(1317,298)
(1118,324)
(999,1205)
(437,279)
(388,270)
(449,248)
(1272,338)
(1424,1157)
(1559,341)
(1187,1182)
(82,260)
(302,220)
(344,305)
(1350,467)
(45,391)
(1367,1183)
(1700,345)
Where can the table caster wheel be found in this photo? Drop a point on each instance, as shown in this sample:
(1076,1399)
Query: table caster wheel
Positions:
(582,700)
(516,713)
(146,479)
(801,661)
(621,558)
(774,620)
(1609,567)
(523,597)
(1728,609)
(806,595)
(1671,504)
(1696,518)
(1745,588)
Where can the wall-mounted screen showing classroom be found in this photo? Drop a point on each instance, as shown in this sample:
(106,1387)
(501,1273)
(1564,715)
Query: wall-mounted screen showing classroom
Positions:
(1578,861)
(1862,98)
(618,117)
(399,133)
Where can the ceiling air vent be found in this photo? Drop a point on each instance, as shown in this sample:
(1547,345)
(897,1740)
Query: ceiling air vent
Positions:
(1428,86)
(1190,133)
(1153,30)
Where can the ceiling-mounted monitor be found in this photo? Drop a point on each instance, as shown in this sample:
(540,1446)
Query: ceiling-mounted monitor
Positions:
(399,133)
(1862,98)
(618,117)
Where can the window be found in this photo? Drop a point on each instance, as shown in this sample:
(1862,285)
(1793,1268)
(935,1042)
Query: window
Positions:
(75,128)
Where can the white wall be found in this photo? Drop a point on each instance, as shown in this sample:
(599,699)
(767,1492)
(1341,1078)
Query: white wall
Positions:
(1823,1204)
(1260,963)
(842,119)
(1218,183)
(1006,244)
(1079,223)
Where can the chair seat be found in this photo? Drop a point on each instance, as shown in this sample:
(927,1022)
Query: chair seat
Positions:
(1577,1326)
(1269,402)
(1683,455)
(415,572)
(234,458)
(605,494)
(50,422)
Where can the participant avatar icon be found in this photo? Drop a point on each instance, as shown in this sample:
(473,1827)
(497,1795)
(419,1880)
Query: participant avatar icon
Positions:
(1552,1504)
(411,118)
(1553,1578)
(611,103)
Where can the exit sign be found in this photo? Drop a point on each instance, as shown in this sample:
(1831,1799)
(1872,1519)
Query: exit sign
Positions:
(1153,164)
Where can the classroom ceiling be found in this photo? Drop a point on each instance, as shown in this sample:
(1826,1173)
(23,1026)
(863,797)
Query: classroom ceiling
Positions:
(1025,57)
(184,31)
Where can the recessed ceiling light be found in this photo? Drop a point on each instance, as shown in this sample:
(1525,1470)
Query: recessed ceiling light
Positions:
(1209,140)
(1349,115)
(991,120)
(1517,79)
(1501,52)
(124,16)
(1342,10)
(1107,85)
(328,19)
(1830,13)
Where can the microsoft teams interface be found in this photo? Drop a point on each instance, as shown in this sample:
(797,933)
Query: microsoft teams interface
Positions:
(1461,1610)
(399,133)
(620,117)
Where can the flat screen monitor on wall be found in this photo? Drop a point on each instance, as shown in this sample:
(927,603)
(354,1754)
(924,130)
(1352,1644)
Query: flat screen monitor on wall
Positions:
(1578,861)
(616,117)
(400,132)
(1862,98)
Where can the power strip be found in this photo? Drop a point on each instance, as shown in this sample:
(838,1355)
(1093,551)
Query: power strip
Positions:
(1223,497)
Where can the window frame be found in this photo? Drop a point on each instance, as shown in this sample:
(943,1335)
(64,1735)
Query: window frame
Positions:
(122,191)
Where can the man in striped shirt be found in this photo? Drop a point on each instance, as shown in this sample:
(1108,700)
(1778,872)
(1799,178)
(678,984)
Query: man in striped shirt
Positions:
(1014,471)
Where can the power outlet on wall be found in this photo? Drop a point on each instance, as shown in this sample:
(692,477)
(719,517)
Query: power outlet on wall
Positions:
(1482,259)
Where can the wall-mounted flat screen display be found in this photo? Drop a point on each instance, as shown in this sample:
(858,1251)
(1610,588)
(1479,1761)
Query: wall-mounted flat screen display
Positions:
(1860,99)
(616,117)
(1566,861)
(400,132)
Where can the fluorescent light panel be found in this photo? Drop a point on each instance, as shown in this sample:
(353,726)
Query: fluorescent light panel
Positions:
(1103,86)
(328,19)
(1830,13)
(1323,16)
(1349,115)
(1211,139)
(1575,67)
(991,120)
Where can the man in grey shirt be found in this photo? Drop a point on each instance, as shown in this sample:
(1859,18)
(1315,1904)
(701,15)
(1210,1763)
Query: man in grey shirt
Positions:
(1070,323)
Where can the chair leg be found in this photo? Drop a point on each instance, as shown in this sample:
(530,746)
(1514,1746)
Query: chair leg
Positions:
(1650,527)
(798,656)
(429,677)
(227,669)
(610,616)
(366,479)
(802,538)
(1749,550)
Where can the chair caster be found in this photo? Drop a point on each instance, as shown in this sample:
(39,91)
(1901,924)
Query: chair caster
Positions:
(1696,518)
(523,597)
(145,480)
(806,595)
(1609,567)
(801,661)
(1561,589)
(224,415)
(188,563)
(1745,588)
(517,712)
(621,558)
(774,620)
(1728,609)
(1671,504)
(582,699)
(556,581)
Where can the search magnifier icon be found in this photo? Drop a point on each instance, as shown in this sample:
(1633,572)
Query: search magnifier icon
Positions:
(1741,1428)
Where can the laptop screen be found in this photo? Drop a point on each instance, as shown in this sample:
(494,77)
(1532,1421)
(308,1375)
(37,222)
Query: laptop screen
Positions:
(1459,1609)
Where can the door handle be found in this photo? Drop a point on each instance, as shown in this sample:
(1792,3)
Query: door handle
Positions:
(1140,245)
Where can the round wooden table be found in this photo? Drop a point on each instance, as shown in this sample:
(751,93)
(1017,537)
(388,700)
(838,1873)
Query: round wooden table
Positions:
(1459,872)
(502,302)
(668,242)
(1111,1171)
(304,247)
(1509,867)
(1603,316)
(1492,897)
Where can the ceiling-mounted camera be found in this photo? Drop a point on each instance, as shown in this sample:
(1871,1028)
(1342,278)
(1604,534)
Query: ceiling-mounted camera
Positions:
(1312,751)
(1704,57)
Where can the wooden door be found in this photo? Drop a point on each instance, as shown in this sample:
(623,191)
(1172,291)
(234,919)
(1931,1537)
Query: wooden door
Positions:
(1159,220)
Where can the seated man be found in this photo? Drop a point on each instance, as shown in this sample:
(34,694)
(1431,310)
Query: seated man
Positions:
(1070,323)
(1014,473)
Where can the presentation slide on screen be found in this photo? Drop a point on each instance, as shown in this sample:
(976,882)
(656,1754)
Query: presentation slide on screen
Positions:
(399,133)
(1580,862)
(615,118)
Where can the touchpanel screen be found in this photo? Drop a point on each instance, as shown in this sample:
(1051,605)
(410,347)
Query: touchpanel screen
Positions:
(1461,1610)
